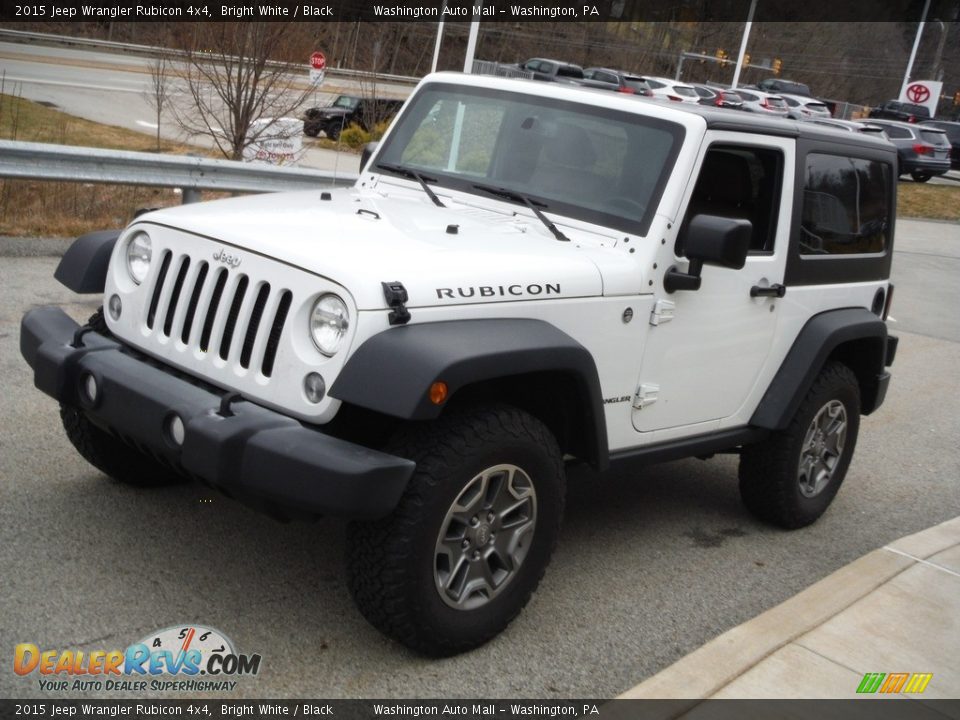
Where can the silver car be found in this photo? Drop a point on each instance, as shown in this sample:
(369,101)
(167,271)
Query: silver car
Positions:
(764,103)
(805,108)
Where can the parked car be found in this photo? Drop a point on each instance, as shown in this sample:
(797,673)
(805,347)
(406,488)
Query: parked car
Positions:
(922,151)
(800,107)
(618,81)
(552,70)
(667,89)
(758,101)
(347,110)
(718,98)
(778,86)
(905,112)
(850,126)
(952,129)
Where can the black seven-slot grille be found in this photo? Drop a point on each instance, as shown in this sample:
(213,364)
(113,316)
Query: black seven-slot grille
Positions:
(210,301)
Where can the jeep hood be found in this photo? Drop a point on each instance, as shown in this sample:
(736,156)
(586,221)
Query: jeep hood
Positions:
(454,255)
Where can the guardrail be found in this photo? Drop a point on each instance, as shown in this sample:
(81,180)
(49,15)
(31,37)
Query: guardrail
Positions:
(40,161)
(151,51)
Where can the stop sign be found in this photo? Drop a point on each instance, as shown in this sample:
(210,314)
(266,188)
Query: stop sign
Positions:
(318,61)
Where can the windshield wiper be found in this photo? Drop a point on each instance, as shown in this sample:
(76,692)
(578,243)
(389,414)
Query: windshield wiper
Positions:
(532,204)
(414,175)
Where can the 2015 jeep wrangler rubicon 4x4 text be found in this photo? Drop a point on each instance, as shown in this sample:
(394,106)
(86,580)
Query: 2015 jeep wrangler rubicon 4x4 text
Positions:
(524,275)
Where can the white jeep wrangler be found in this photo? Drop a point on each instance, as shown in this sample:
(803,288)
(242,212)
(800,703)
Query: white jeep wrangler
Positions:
(524,275)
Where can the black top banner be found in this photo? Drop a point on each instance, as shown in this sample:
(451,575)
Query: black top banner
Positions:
(512,11)
(459,709)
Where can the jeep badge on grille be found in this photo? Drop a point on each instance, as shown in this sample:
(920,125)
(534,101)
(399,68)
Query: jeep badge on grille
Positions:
(227,259)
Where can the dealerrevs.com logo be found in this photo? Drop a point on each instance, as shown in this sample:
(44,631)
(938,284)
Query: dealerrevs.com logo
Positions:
(180,658)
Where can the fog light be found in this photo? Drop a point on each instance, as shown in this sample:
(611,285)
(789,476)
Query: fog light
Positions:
(91,390)
(115,307)
(176,430)
(314,387)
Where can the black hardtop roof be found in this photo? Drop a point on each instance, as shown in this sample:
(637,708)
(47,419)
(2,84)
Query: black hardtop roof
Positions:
(737,121)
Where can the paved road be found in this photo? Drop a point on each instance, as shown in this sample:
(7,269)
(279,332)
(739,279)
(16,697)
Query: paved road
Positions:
(651,563)
(113,89)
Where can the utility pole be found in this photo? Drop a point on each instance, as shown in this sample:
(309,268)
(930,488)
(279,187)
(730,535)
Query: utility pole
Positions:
(743,43)
(436,47)
(472,40)
(916,44)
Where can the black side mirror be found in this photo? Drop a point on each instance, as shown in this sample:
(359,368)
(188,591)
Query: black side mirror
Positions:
(368,150)
(710,240)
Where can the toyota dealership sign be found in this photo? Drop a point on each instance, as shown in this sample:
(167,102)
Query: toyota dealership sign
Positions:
(922,92)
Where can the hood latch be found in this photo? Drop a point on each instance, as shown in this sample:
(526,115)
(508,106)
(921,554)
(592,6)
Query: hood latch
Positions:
(396,295)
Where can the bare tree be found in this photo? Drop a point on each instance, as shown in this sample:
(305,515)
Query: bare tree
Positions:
(232,83)
(158,93)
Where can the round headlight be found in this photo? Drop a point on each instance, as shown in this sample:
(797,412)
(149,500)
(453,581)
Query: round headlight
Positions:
(329,321)
(139,253)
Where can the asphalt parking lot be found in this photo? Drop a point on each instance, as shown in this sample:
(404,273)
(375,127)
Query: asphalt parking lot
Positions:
(651,564)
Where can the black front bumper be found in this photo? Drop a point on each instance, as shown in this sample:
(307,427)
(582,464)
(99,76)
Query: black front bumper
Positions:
(258,455)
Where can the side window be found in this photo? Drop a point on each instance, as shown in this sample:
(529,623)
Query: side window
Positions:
(846,206)
(896,132)
(740,182)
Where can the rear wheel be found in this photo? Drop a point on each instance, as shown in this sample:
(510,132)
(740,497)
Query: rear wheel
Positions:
(791,478)
(920,177)
(466,547)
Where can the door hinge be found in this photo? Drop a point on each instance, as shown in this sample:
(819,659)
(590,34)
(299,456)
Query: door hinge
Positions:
(662,312)
(647,394)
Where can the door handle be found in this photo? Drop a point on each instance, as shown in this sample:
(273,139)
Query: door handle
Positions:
(775,290)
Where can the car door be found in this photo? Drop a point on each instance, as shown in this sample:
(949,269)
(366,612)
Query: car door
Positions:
(706,351)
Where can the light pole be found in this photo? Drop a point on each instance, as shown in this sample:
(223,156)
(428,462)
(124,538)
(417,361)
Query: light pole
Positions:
(743,43)
(916,44)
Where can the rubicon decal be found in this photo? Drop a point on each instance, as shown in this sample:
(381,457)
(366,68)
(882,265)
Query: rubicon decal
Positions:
(181,651)
(518,290)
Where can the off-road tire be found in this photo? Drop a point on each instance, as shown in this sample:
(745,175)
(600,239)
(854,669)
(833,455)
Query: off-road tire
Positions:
(332,130)
(107,453)
(769,484)
(391,562)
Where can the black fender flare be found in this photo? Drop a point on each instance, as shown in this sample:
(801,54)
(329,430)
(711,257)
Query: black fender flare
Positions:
(83,267)
(392,371)
(819,338)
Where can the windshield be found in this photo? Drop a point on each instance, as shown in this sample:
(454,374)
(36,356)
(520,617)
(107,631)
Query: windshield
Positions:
(345,101)
(594,164)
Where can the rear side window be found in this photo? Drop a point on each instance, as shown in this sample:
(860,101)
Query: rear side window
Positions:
(846,206)
(896,132)
(933,137)
(685,91)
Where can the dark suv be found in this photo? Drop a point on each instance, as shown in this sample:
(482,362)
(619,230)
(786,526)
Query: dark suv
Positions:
(777,86)
(952,129)
(348,110)
(902,111)
(922,151)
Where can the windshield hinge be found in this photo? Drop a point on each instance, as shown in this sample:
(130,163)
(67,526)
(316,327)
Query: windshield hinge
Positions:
(396,295)
(662,312)
(647,394)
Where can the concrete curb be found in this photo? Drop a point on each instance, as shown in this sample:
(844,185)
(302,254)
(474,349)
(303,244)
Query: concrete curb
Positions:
(707,670)
(33,247)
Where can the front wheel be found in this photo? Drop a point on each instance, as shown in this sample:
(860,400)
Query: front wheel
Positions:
(112,456)
(466,547)
(791,478)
